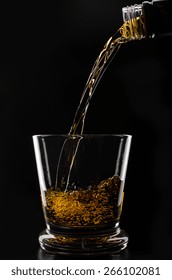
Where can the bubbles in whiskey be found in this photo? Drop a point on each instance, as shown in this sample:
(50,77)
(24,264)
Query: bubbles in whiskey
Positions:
(97,205)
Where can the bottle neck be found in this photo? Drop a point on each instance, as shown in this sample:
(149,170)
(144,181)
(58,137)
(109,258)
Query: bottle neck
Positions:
(147,20)
(133,27)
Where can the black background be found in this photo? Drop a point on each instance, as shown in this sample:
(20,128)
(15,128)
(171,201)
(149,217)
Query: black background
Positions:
(46,54)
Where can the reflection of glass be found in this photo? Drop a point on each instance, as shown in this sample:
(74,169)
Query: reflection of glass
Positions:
(84,217)
(43,255)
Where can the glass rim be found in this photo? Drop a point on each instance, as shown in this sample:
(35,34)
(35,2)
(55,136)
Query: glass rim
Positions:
(85,135)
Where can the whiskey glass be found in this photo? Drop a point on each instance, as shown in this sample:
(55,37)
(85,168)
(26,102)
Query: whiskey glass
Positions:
(81,180)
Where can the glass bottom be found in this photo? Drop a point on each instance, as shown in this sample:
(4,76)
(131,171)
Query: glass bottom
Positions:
(110,243)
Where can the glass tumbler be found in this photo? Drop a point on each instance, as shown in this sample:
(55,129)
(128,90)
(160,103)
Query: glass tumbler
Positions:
(81,180)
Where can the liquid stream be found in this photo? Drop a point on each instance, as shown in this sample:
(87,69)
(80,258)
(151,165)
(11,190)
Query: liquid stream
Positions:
(128,31)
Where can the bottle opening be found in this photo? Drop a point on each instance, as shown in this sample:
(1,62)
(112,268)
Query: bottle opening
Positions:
(131,12)
(133,28)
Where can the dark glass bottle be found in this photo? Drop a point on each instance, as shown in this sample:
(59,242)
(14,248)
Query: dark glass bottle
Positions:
(156,17)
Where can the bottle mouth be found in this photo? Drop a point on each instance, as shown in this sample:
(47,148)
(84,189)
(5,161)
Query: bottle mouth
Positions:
(132,11)
(133,18)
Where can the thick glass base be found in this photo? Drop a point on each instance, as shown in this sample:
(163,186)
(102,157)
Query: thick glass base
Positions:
(110,243)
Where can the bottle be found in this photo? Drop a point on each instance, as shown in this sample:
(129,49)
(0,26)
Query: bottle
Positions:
(149,19)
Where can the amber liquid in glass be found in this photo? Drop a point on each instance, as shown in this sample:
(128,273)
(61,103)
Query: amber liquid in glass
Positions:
(96,206)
